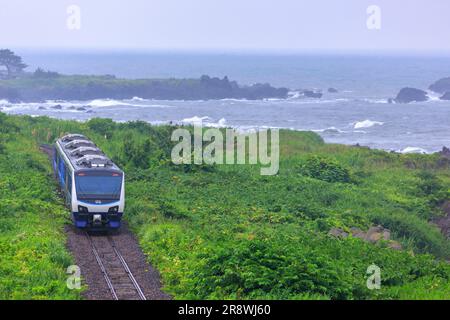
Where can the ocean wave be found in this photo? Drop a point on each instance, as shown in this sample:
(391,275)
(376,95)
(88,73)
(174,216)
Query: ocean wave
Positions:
(107,103)
(366,124)
(376,101)
(409,150)
(3,101)
(195,120)
(328,130)
(99,103)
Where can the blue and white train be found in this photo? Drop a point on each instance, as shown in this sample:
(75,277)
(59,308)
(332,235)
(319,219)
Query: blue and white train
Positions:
(93,186)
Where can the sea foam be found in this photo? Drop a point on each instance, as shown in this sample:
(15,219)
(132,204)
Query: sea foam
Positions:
(366,124)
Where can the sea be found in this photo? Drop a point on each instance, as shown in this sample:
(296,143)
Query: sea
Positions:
(359,113)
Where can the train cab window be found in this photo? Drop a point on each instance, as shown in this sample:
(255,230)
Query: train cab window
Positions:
(98,185)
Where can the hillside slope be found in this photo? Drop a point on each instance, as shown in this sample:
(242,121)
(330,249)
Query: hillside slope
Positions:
(225,232)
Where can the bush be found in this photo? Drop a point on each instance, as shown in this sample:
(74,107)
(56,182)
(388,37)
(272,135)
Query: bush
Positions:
(105,127)
(324,169)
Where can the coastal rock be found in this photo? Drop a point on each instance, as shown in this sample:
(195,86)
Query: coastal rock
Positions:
(81,109)
(312,94)
(395,245)
(86,88)
(375,234)
(332,90)
(42,108)
(446,96)
(378,233)
(441,86)
(407,95)
(445,152)
(338,233)
(57,107)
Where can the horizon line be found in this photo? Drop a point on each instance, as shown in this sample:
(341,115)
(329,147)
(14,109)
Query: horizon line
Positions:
(234,51)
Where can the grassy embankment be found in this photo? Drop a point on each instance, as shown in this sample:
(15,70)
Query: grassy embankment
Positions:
(227,232)
(33,259)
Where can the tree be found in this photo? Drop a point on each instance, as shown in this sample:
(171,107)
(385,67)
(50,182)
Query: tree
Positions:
(12,62)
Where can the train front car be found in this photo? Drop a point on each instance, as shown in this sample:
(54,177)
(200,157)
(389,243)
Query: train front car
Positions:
(93,185)
(98,201)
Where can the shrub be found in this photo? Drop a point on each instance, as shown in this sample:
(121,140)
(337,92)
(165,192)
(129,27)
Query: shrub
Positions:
(105,127)
(324,169)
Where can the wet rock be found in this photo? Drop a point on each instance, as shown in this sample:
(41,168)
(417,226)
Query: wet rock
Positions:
(407,95)
(378,233)
(81,109)
(441,86)
(338,233)
(57,107)
(395,245)
(71,108)
(358,233)
(312,94)
(42,108)
(375,234)
(445,152)
(90,111)
(332,90)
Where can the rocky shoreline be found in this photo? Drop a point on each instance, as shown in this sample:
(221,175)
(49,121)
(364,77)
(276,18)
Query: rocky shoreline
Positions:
(407,94)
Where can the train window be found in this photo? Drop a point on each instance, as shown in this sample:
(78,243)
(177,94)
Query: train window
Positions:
(62,172)
(101,186)
(69,181)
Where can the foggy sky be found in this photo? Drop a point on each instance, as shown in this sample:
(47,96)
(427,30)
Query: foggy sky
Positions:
(292,25)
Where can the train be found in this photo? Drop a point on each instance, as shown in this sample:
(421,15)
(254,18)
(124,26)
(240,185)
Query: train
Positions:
(92,185)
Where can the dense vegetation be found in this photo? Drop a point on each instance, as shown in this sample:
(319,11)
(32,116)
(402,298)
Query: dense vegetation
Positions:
(43,85)
(33,258)
(228,232)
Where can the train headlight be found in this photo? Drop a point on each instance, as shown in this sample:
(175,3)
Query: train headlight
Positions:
(82,209)
(114,210)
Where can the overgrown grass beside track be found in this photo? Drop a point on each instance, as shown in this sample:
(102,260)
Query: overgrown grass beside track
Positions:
(227,232)
(33,258)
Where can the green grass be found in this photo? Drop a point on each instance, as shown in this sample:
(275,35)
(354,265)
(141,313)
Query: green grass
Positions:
(33,258)
(226,232)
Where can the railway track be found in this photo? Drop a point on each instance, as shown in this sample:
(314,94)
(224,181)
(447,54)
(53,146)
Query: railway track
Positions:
(120,280)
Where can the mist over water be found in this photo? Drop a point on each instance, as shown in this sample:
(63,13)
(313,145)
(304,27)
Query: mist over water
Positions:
(358,113)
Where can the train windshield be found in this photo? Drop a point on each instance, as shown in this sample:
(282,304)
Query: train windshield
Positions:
(98,186)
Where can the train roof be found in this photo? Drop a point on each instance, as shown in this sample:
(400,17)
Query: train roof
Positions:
(83,154)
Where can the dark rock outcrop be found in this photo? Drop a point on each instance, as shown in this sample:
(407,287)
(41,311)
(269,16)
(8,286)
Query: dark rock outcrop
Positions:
(332,90)
(407,95)
(57,107)
(441,86)
(445,152)
(106,87)
(312,94)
